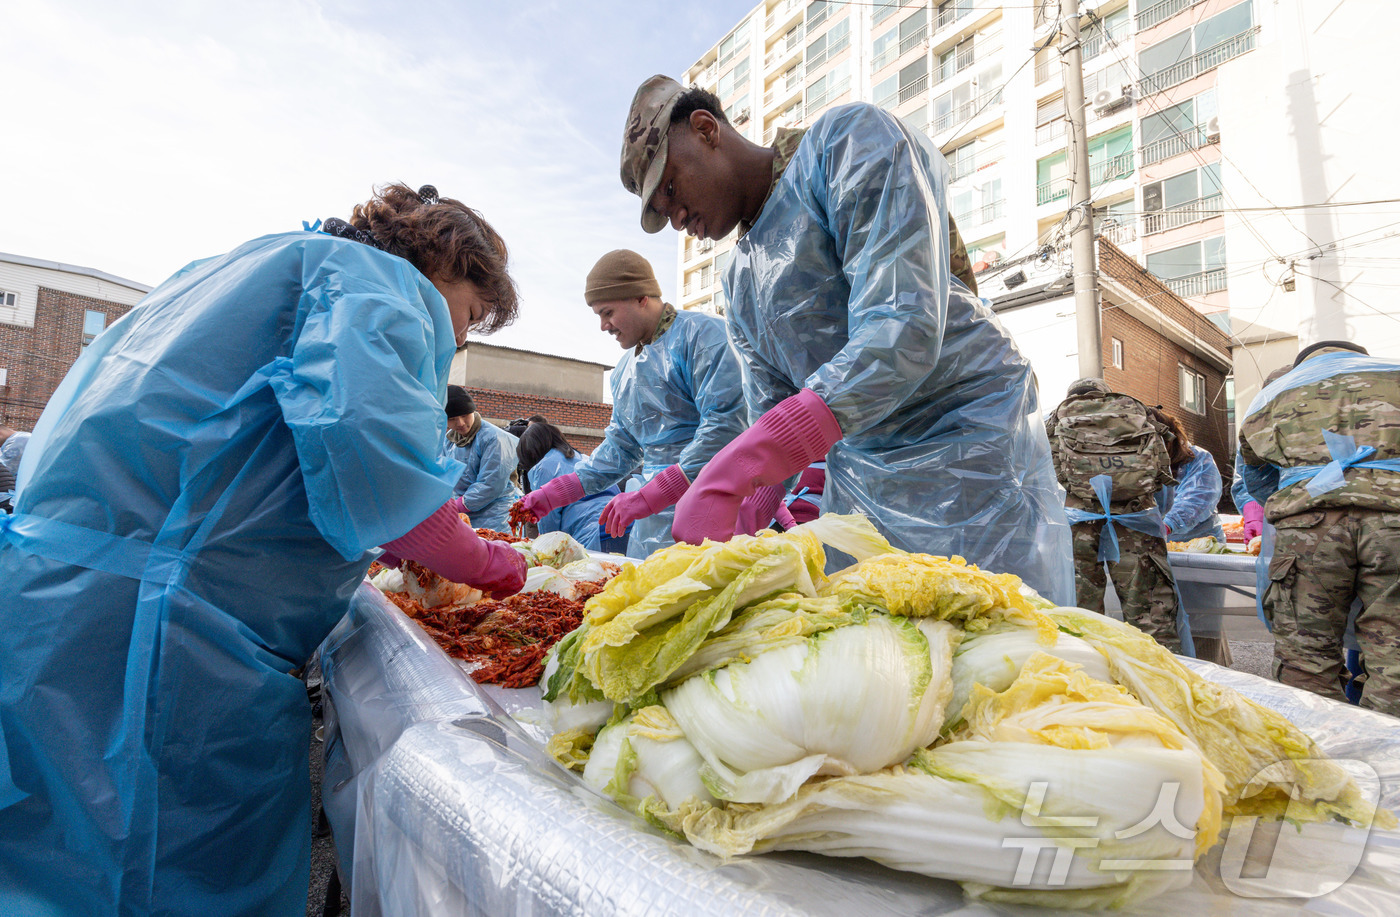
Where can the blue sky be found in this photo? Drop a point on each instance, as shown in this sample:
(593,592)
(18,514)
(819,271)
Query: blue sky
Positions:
(148,134)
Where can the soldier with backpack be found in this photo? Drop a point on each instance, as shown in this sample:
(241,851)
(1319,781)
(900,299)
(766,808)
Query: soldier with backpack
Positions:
(1111,456)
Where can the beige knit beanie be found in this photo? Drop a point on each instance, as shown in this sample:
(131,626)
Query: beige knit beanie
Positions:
(620,274)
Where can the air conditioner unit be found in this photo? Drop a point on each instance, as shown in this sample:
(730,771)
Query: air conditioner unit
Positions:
(1108,97)
(742,116)
(1213,130)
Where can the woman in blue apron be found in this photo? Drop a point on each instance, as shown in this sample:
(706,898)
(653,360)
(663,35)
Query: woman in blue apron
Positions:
(201,497)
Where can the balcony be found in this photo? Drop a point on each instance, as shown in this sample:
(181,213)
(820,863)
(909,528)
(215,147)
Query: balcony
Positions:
(913,89)
(782,13)
(783,50)
(1044,133)
(782,89)
(1176,144)
(913,40)
(977,216)
(965,112)
(1097,40)
(953,10)
(1161,11)
(790,118)
(1119,234)
(980,159)
(1046,69)
(1197,64)
(1100,173)
(1212,281)
(967,57)
(1181,215)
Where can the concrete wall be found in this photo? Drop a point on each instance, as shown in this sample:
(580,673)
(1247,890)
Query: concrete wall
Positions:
(487,366)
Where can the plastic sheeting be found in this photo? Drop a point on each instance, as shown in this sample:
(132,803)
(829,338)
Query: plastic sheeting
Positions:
(842,286)
(678,402)
(442,802)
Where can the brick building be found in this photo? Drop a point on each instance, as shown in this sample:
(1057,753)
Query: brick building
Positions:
(1156,347)
(507,383)
(48,314)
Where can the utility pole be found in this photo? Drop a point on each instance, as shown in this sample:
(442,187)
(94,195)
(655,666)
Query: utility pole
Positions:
(1086,273)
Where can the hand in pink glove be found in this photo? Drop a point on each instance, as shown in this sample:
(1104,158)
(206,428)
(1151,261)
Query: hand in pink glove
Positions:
(785,518)
(792,435)
(561,491)
(450,548)
(756,512)
(654,496)
(1253,515)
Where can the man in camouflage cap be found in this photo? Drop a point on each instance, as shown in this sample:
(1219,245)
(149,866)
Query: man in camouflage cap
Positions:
(1129,445)
(1321,447)
(858,342)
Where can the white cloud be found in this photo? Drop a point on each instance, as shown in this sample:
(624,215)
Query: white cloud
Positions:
(148,135)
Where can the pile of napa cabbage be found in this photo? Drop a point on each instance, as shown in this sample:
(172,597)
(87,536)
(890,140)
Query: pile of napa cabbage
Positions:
(920,712)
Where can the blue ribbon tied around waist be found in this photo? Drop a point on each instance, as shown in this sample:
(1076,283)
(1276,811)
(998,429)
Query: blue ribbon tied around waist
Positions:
(1147,521)
(1345,454)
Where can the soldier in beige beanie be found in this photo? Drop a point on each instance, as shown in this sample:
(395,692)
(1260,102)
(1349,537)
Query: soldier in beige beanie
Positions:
(676,402)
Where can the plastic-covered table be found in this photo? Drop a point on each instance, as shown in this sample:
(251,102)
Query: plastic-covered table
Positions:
(443,802)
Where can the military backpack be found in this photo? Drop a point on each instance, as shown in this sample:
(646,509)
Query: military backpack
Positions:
(1108,433)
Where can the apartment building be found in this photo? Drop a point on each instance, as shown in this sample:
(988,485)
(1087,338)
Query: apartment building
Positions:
(985,81)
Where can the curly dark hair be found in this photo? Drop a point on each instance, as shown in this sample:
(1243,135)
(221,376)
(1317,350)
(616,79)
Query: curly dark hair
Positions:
(697,99)
(442,237)
(1178,443)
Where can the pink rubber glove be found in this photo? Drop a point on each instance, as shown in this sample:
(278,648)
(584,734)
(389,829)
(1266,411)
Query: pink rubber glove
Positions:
(561,491)
(756,512)
(1253,515)
(450,548)
(792,435)
(785,517)
(655,495)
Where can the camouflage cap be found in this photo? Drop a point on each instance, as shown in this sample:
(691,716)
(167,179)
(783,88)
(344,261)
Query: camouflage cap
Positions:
(644,143)
(1085,386)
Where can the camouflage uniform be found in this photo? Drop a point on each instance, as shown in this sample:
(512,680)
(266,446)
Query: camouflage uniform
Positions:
(1337,545)
(1142,575)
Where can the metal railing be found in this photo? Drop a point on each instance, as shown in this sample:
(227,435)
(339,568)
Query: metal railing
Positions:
(966,111)
(782,90)
(1111,169)
(909,42)
(1212,281)
(953,10)
(1181,215)
(980,159)
(979,215)
(967,58)
(1175,145)
(1197,64)
(884,58)
(1099,40)
(783,50)
(831,94)
(1045,69)
(1047,132)
(913,89)
(781,11)
(1161,11)
(1116,232)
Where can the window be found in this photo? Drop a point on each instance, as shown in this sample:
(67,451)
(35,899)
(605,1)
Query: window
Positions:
(986,252)
(883,10)
(950,10)
(828,87)
(1182,199)
(1193,389)
(1117,353)
(7,300)
(93,323)
(960,161)
(817,13)
(884,50)
(828,44)
(1177,58)
(886,93)
(4,375)
(912,31)
(1188,260)
(736,80)
(956,59)
(913,79)
(1111,28)
(734,42)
